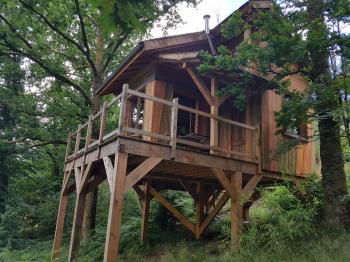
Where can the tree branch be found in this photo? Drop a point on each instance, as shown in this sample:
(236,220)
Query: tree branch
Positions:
(51,72)
(116,46)
(15,31)
(82,27)
(63,35)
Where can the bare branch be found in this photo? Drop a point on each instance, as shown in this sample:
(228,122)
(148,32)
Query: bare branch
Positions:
(113,49)
(82,27)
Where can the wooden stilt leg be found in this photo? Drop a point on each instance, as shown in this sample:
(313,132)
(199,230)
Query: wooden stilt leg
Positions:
(115,208)
(145,212)
(199,208)
(77,226)
(236,207)
(59,226)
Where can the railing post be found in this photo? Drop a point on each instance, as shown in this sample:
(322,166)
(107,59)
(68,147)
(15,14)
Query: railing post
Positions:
(69,141)
(258,148)
(77,141)
(88,132)
(103,123)
(173,126)
(123,109)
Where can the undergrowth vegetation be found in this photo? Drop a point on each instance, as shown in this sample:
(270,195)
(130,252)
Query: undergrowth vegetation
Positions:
(284,226)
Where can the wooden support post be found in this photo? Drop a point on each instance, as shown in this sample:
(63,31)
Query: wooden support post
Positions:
(199,208)
(145,211)
(236,207)
(214,125)
(115,208)
(258,148)
(76,228)
(60,220)
(173,126)
(122,112)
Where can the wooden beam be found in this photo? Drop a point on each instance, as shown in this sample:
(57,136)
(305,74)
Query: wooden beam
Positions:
(189,189)
(139,172)
(200,84)
(177,214)
(236,207)
(57,242)
(222,201)
(199,208)
(225,183)
(145,211)
(249,188)
(107,162)
(85,177)
(76,228)
(115,208)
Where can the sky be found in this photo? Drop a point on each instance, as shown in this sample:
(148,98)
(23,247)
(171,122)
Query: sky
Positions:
(193,17)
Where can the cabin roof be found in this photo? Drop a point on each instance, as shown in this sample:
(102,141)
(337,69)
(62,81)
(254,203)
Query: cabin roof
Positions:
(144,52)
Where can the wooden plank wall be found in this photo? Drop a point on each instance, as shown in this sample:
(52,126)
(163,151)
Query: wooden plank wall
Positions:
(300,161)
(157,115)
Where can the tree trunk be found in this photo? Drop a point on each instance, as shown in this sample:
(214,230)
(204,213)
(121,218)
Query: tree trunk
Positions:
(333,174)
(89,218)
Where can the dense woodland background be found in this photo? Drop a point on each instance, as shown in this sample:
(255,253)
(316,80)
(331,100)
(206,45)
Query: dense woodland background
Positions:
(54,53)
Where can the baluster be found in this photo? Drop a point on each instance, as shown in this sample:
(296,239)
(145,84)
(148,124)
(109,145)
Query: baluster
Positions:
(173,130)
(123,109)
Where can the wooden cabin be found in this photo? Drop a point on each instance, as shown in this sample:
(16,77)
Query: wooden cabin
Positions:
(175,132)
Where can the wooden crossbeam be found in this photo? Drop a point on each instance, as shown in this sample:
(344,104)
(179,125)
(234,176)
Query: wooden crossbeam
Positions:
(109,171)
(66,181)
(189,189)
(85,177)
(139,192)
(249,188)
(222,201)
(177,214)
(140,171)
(225,183)
(200,84)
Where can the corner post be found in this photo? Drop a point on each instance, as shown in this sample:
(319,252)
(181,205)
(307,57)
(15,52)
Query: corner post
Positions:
(115,208)
(122,112)
(236,207)
(214,110)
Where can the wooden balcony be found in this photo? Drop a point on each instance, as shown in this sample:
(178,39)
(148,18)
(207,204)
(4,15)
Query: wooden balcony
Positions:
(122,118)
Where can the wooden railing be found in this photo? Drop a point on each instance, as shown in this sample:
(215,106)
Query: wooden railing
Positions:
(95,135)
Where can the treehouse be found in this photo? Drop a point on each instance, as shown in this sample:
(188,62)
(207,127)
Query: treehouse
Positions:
(167,127)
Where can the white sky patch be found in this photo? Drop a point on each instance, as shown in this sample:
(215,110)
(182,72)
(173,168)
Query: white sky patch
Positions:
(193,17)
